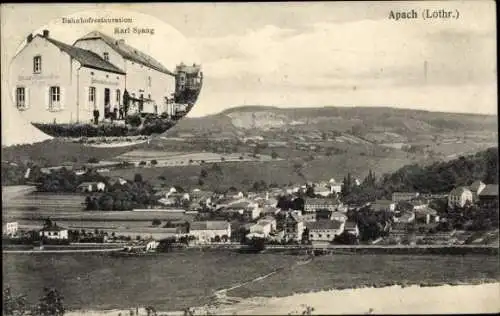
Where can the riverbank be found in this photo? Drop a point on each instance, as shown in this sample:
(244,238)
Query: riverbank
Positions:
(285,249)
(481,298)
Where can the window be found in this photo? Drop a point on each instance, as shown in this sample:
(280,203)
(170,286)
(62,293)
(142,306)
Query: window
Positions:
(106,56)
(54,98)
(118,96)
(92,96)
(37,64)
(20,97)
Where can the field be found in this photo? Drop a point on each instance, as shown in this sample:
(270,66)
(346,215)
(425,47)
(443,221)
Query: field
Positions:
(67,210)
(243,175)
(183,159)
(178,280)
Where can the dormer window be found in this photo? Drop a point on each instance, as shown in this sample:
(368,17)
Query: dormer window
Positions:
(37,64)
(106,56)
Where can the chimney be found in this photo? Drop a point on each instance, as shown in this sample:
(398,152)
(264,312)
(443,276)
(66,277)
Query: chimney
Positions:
(29,38)
(45,33)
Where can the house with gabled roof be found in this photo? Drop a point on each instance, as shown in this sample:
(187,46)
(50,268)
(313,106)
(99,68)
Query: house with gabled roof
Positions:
(459,196)
(488,197)
(57,82)
(148,81)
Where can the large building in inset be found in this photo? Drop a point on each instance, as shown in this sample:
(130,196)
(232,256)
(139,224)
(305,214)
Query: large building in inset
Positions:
(55,82)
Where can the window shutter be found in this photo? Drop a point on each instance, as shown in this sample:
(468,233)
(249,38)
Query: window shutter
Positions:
(62,97)
(47,96)
(27,97)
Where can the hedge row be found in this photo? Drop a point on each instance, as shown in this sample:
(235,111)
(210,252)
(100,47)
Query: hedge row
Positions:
(89,130)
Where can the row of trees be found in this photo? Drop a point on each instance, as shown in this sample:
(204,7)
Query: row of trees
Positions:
(50,304)
(128,196)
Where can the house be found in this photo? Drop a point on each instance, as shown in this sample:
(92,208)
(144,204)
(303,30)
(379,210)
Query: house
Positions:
(208,231)
(54,81)
(313,204)
(458,197)
(292,224)
(419,203)
(383,205)
(269,211)
(323,189)
(10,228)
(351,227)
(91,187)
(148,82)
(54,232)
(476,187)
(152,244)
(262,227)
(117,181)
(405,217)
(338,216)
(426,215)
(325,230)
(404,196)
(488,197)
(248,209)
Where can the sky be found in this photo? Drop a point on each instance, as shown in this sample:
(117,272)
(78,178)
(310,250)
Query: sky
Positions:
(299,54)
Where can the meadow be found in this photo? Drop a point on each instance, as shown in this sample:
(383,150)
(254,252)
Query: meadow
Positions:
(279,172)
(177,280)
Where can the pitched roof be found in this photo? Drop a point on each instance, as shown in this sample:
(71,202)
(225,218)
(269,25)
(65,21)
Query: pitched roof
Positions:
(85,57)
(127,51)
(475,185)
(350,225)
(384,202)
(209,225)
(426,210)
(53,228)
(459,191)
(490,190)
(314,201)
(324,224)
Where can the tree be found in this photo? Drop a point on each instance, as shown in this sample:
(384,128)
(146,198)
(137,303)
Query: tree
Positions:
(156,222)
(274,155)
(13,305)
(142,163)
(154,162)
(93,160)
(51,303)
(138,178)
(203,173)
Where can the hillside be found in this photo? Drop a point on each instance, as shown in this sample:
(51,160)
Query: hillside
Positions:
(444,176)
(358,120)
(446,135)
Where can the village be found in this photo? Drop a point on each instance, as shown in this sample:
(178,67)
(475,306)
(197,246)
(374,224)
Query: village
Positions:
(318,214)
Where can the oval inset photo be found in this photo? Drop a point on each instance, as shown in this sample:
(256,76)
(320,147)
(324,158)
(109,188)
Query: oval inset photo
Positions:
(105,74)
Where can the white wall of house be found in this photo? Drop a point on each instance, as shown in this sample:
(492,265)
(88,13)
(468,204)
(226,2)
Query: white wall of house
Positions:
(460,199)
(59,69)
(206,235)
(325,234)
(61,234)
(11,228)
(55,71)
(261,228)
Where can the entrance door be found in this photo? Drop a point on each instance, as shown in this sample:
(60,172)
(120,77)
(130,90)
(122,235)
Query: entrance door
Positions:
(107,100)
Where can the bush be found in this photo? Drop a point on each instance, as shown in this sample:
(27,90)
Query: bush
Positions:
(133,120)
